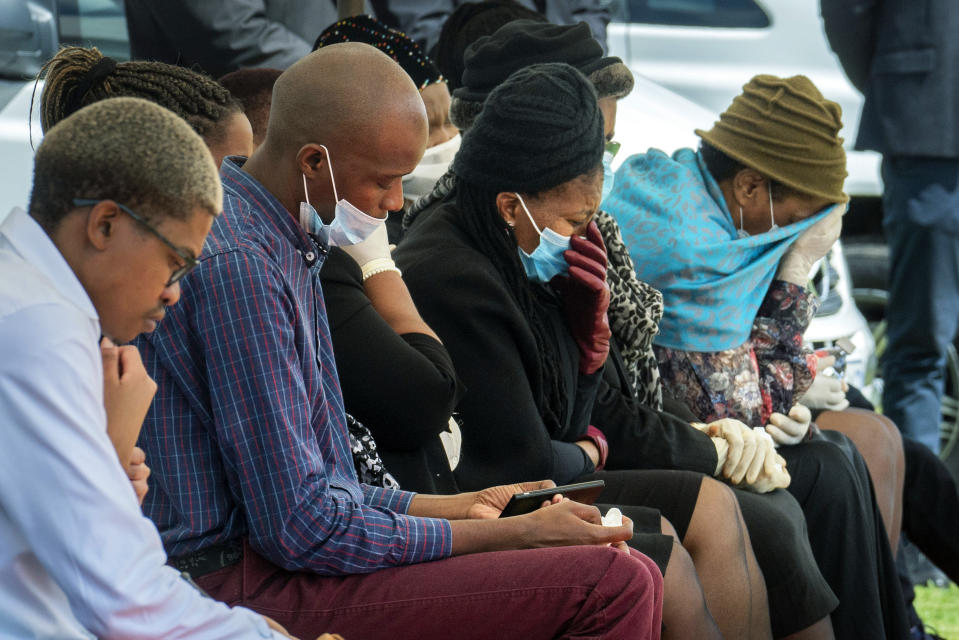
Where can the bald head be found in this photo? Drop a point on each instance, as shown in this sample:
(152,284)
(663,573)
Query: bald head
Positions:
(343,92)
(348,110)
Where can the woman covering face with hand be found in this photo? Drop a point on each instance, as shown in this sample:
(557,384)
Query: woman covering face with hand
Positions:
(729,234)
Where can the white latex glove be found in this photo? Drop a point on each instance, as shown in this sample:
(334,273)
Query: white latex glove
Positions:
(746,453)
(791,429)
(812,244)
(376,247)
(772,472)
(722,450)
(826,392)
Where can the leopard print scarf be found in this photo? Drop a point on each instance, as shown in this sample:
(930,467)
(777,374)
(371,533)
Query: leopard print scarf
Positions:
(635,309)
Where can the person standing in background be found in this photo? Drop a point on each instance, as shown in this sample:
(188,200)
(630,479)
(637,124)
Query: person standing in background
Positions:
(220,37)
(903,56)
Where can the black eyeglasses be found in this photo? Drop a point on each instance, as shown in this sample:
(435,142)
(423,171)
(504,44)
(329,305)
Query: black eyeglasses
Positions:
(189,262)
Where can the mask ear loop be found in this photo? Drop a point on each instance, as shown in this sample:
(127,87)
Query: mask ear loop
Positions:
(772,217)
(306,191)
(528,214)
(330,165)
(740,215)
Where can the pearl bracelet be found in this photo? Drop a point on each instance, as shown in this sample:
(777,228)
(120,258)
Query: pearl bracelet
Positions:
(380,265)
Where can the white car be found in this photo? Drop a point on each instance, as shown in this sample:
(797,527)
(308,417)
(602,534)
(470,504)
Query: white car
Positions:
(31,31)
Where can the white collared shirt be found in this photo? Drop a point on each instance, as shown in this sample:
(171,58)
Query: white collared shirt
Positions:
(77,557)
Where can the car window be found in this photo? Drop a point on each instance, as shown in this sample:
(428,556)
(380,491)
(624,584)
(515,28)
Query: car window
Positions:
(697,13)
(97,23)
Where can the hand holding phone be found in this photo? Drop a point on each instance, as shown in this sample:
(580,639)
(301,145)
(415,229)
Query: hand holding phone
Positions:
(528,501)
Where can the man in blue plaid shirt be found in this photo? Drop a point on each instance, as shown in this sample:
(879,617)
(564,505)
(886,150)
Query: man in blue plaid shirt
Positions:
(255,492)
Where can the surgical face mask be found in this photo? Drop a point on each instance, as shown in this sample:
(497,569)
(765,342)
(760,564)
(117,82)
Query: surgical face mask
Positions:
(547,261)
(436,162)
(350,225)
(608,174)
(742,233)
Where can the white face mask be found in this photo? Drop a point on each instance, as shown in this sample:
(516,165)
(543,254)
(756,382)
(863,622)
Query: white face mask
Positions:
(742,233)
(436,161)
(350,225)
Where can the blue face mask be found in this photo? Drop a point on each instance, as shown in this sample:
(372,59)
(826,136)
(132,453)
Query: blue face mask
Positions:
(547,261)
(608,175)
(350,225)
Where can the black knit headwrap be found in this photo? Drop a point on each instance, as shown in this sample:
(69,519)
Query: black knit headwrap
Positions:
(491,59)
(469,22)
(539,129)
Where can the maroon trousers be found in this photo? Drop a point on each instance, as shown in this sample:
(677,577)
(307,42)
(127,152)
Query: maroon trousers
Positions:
(566,592)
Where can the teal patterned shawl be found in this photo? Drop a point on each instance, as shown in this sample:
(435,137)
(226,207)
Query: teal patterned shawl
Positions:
(683,241)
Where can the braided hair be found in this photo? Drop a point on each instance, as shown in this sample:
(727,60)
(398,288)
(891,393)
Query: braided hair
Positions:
(79,76)
(539,130)
(494,238)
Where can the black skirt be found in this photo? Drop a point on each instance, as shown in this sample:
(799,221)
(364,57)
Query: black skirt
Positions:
(630,492)
(797,592)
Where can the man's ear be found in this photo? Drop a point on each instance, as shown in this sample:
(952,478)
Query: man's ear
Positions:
(101,224)
(509,207)
(746,186)
(311,159)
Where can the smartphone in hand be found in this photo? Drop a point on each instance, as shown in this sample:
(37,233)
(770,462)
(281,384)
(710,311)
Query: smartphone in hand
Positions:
(521,503)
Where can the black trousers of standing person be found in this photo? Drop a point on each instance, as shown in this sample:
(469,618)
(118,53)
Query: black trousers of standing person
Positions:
(832,484)
(921,223)
(930,507)
(930,500)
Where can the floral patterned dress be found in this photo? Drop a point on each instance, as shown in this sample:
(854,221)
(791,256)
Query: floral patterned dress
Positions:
(762,376)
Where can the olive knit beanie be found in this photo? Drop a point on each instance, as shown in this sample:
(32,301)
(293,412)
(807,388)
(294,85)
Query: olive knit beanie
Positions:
(491,59)
(785,129)
(538,129)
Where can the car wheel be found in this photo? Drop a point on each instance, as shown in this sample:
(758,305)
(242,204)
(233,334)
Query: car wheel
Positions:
(868,264)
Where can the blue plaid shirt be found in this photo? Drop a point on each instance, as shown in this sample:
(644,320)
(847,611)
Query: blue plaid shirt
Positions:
(247,434)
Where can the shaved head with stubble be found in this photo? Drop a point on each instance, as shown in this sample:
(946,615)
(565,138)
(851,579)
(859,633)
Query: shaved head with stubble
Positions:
(364,109)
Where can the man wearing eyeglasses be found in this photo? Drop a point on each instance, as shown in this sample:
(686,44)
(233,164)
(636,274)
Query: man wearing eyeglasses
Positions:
(109,233)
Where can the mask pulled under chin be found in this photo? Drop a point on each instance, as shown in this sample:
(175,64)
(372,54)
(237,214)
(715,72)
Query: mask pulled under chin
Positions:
(435,163)
(350,225)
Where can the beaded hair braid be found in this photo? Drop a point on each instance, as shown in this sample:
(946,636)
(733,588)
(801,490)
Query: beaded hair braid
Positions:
(78,76)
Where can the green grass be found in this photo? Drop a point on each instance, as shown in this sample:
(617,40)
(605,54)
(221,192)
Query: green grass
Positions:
(939,610)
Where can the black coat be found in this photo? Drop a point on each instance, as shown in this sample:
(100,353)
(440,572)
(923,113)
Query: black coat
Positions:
(402,387)
(463,297)
(904,57)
